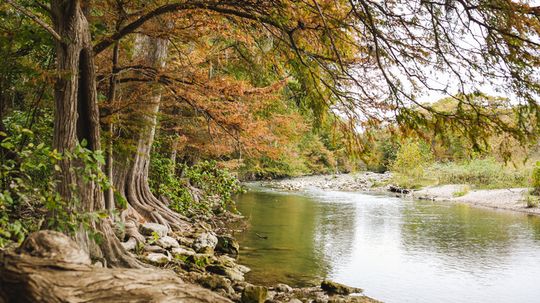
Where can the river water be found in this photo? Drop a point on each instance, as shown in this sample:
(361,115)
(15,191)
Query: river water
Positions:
(397,250)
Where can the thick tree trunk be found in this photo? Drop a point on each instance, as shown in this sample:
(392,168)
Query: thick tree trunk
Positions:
(51,268)
(77,119)
(132,167)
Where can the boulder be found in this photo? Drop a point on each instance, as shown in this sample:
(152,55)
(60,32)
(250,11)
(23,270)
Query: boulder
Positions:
(183,251)
(167,242)
(154,249)
(254,294)
(216,282)
(227,245)
(148,229)
(157,258)
(231,273)
(205,243)
(130,244)
(338,289)
(283,288)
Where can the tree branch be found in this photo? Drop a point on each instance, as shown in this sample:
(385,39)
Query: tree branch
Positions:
(169,8)
(36,19)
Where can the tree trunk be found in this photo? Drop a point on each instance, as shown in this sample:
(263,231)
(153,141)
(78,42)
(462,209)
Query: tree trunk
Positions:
(132,167)
(77,119)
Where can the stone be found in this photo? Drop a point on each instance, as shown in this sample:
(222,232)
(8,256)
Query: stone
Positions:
(185,241)
(130,244)
(148,229)
(227,245)
(154,249)
(157,258)
(167,242)
(242,268)
(205,243)
(338,289)
(216,282)
(183,251)
(283,288)
(254,294)
(231,273)
(294,300)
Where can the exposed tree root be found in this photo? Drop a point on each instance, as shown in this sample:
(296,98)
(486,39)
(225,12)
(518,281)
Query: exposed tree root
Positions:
(50,267)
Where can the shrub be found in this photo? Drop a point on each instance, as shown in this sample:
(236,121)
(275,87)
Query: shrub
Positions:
(482,173)
(535,179)
(202,188)
(411,162)
(28,198)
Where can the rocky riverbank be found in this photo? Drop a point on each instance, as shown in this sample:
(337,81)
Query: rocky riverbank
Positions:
(512,199)
(366,181)
(206,255)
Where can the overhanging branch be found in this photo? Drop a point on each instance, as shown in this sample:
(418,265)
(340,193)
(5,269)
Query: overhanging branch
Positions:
(36,19)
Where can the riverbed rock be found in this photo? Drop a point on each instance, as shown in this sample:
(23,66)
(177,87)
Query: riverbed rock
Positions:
(205,243)
(283,288)
(227,245)
(338,289)
(148,229)
(254,294)
(157,258)
(167,242)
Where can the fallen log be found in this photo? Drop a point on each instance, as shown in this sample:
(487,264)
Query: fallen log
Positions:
(50,267)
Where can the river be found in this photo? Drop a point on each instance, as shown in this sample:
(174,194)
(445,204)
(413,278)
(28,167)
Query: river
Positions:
(398,250)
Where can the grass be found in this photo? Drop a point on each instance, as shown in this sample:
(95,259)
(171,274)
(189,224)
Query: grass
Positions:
(481,173)
(462,191)
(532,200)
(486,173)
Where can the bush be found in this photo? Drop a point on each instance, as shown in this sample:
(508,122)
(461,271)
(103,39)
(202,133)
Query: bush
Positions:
(412,160)
(29,199)
(202,188)
(535,179)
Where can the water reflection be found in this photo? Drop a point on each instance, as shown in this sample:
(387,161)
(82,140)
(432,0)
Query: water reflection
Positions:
(398,250)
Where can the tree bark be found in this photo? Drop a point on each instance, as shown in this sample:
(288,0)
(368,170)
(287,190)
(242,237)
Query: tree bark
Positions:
(77,119)
(132,167)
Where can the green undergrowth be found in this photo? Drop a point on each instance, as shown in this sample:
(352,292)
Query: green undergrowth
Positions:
(29,199)
(203,188)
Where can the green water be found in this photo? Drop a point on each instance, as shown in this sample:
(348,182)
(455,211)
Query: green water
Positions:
(397,250)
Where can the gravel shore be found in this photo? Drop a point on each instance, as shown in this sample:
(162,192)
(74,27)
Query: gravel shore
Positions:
(512,199)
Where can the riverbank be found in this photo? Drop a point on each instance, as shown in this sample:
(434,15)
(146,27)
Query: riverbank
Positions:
(511,199)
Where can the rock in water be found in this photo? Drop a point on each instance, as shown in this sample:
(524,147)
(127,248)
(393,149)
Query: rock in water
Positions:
(167,242)
(338,289)
(205,243)
(227,245)
(148,229)
(254,294)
